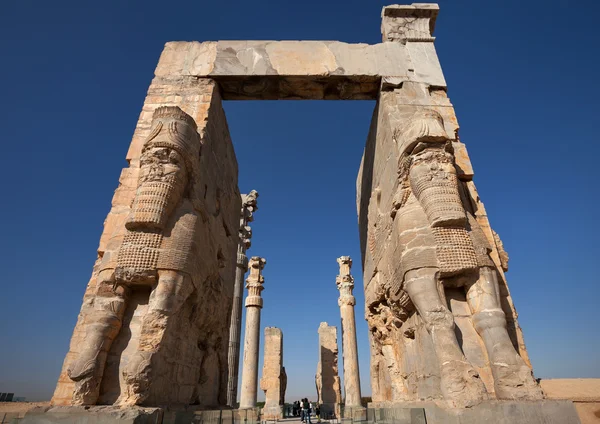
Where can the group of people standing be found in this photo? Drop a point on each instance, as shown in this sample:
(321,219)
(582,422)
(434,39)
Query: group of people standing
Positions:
(304,409)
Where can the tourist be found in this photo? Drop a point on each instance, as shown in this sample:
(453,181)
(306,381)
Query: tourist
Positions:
(318,413)
(302,410)
(306,411)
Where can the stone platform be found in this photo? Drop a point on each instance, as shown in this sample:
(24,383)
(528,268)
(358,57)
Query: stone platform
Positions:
(497,412)
(137,415)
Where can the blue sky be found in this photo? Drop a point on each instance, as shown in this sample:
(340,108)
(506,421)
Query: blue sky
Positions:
(521,75)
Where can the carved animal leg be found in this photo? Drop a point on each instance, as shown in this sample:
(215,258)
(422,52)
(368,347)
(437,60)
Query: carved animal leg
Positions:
(102,317)
(513,379)
(167,298)
(460,383)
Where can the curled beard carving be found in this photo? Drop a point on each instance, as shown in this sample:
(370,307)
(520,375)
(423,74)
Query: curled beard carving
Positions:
(154,203)
(434,183)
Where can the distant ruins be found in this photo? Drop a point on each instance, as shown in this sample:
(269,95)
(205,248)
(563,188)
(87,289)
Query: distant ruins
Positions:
(160,321)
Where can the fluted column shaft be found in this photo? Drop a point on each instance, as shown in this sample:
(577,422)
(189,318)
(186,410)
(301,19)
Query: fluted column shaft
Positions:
(233,355)
(254,303)
(346,301)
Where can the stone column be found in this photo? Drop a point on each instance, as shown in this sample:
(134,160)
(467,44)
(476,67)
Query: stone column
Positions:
(273,379)
(345,284)
(254,304)
(233,359)
(327,379)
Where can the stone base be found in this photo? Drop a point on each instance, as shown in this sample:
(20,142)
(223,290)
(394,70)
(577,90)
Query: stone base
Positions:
(498,412)
(330,410)
(92,415)
(225,416)
(354,414)
(272,413)
(137,415)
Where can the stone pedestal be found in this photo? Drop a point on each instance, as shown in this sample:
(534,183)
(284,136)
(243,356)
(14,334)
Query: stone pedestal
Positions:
(245,233)
(254,304)
(327,379)
(346,301)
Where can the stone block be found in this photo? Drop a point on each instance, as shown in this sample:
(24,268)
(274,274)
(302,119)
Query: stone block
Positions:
(92,415)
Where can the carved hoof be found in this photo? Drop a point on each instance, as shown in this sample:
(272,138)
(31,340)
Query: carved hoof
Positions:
(461,385)
(516,382)
(81,368)
(137,377)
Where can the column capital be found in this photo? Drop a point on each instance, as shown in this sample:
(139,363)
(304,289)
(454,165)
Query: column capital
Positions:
(249,206)
(255,281)
(345,282)
(414,22)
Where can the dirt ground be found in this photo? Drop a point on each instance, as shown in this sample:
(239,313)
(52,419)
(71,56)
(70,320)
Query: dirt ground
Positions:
(10,410)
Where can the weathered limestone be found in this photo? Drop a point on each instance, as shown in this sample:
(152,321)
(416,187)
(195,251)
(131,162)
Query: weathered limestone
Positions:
(274,379)
(430,260)
(245,233)
(328,70)
(327,379)
(346,302)
(254,304)
(150,331)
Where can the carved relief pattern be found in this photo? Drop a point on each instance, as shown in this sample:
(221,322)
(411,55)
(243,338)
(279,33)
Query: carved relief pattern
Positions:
(454,250)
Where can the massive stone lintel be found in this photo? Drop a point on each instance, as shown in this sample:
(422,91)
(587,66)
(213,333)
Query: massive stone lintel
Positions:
(274,378)
(327,379)
(328,70)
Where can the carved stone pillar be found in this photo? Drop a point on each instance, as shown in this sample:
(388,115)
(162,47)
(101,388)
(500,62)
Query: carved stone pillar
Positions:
(233,359)
(327,379)
(254,304)
(273,379)
(346,301)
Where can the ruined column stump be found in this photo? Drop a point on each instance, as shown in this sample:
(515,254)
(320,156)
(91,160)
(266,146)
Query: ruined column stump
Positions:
(327,379)
(274,378)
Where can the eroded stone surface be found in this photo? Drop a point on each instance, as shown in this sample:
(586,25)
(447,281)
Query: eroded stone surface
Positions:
(327,379)
(422,228)
(274,378)
(150,330)
(300,69)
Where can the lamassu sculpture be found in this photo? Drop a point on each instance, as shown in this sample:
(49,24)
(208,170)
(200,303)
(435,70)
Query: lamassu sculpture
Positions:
(440,245)
(159,255)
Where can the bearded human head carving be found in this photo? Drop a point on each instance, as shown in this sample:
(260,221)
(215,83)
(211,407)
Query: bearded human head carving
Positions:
(166,168)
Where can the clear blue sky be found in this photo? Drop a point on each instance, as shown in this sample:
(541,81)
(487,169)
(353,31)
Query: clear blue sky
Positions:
(523,77)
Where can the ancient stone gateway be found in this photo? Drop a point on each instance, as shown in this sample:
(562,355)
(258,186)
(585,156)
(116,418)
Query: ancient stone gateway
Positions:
(154,326)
